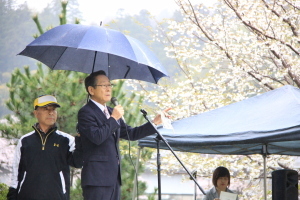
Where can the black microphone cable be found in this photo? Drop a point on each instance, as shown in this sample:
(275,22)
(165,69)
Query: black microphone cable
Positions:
(115,102)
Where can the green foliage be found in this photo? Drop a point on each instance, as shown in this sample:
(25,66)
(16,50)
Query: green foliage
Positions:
(16,31)
(132,102)
(25,87)
(129,149)
(129,169)
(3,191)
(153,195)
(68,87)
(63,15)
(38,25)
(76,191)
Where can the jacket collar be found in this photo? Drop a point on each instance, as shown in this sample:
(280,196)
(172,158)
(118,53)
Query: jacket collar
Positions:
(36,127)
(93,105)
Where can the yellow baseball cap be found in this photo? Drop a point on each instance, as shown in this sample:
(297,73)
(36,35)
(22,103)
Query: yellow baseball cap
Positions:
(44,101)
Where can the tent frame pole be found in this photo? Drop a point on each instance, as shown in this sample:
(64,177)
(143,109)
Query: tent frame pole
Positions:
(194,173)
(264,154)
(160,137)
(158,168)
(135,192)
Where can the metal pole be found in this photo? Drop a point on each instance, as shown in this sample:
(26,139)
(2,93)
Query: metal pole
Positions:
(194,173)
(195,186)
(160,137)
(265,170)
(195,192)
(265,177)
(137,172)
(158,168)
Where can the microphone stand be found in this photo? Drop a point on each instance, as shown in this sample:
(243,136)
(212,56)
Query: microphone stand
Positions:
(157,139)
(195,188)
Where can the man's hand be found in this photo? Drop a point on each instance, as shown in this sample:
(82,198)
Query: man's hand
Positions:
(118,112)
(157,120)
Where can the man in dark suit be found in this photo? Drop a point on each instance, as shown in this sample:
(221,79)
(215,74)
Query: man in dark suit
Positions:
(100,128)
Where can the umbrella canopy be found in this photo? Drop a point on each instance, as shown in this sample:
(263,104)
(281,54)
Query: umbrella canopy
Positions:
(87,49)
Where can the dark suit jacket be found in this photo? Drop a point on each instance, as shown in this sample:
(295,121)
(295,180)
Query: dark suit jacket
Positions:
(99,138)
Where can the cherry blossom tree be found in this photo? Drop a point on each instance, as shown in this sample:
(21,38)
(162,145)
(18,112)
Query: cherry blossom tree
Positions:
(225,53)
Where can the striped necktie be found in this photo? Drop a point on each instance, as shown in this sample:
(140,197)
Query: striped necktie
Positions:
(106,112)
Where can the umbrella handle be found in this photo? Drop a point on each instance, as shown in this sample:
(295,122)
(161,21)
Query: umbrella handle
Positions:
(127,72)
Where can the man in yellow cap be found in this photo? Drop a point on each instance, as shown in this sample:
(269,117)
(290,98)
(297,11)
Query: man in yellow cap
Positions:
(41,164)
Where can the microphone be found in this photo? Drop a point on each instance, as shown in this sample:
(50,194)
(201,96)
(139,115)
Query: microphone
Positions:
(114,101)
(144,112)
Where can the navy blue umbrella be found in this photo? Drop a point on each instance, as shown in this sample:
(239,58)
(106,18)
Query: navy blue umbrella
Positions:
(87,49)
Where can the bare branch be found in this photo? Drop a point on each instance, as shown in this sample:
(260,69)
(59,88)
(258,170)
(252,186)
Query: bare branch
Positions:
(257,31)
(288,21)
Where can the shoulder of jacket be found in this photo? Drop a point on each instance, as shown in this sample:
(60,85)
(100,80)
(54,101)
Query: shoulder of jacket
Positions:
(66,135)
(27,135)
(88,105)
(24,137)
(212,190)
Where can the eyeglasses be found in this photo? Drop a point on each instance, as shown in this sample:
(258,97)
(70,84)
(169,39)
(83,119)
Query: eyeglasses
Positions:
(105,86)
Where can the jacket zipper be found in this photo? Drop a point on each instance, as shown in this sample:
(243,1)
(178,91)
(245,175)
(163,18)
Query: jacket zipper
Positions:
(43,142)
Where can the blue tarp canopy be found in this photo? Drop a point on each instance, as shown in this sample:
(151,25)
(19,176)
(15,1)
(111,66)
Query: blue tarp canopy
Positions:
(270,120)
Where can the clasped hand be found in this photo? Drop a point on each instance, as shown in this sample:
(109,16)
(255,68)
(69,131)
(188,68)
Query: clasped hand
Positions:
(117,112)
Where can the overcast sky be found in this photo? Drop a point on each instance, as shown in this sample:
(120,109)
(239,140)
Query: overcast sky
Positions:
(94,11)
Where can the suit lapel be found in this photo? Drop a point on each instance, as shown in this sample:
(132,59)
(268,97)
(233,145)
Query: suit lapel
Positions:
(96,109)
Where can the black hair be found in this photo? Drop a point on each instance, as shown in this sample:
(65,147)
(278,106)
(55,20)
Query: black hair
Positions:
(220,172)
(91,80)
